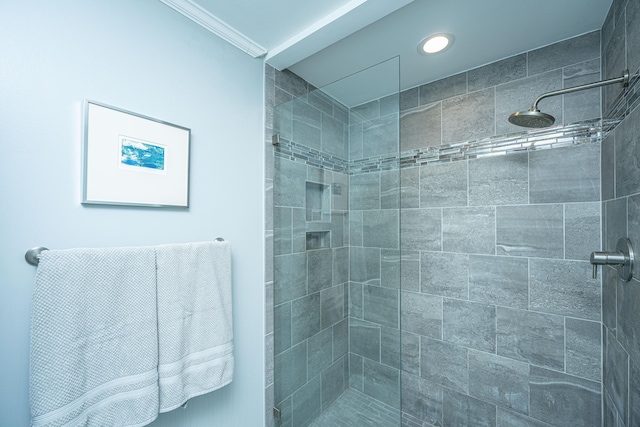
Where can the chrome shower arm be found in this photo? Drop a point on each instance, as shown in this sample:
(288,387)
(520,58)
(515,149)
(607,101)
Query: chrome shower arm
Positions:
(624,80)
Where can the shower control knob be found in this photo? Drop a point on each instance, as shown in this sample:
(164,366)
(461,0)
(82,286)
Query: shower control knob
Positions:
(623,259)
(607,258)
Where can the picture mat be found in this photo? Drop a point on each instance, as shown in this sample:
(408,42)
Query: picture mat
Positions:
(108,183)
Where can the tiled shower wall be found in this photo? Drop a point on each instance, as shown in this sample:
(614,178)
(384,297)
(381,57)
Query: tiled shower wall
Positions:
(476,104)
(310,251)
(500,317)
(374,226)
(621,210)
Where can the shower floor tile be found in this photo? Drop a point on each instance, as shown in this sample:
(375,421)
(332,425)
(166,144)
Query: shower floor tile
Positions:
(356,409)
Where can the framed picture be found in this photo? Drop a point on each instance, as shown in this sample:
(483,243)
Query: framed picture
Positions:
(130,159)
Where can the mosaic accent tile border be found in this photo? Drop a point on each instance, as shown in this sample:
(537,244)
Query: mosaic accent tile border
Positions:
(590,131)
(554,137)
(300,153)
(558,136)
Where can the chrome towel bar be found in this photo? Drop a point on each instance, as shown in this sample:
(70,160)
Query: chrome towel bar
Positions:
(32,256)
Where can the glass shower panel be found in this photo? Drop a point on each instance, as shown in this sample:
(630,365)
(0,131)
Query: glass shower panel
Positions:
(337,253)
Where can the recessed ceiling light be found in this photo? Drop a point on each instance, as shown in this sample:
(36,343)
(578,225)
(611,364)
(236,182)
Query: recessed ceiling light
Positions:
(435,43)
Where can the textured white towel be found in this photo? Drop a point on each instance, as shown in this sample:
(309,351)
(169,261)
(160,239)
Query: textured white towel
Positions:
(94,338)
(195,330)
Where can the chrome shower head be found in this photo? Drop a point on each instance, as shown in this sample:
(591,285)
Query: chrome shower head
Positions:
(532,119)
(535,119)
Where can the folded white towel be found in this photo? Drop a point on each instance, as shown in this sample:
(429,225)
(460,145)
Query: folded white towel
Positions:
(195,331)
(94,338)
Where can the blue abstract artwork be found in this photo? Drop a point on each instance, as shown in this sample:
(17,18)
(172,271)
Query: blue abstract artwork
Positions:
(141,154)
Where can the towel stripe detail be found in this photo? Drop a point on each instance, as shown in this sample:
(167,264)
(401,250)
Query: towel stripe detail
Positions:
(183,365)
(133,394)
(76,404)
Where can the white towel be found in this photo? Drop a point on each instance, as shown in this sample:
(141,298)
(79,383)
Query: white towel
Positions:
(195,331)
(94,338)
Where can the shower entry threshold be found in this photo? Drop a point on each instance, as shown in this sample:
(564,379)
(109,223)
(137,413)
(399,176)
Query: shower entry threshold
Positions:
(356,409)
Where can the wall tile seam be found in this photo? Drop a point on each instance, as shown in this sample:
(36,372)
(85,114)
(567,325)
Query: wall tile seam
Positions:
(288,91)
(496,407)
(466,81)
(564,325)
(495,110)
(483,254)
(563,97)
(564,233)
(515,81)
(466,72)
(379,116)
(622,17)
(502,356)
(629,360)
(544,204)
(626,205)
(377,361)
(275,106)
(318,376)
(607,397)
(603,332)
(495,87)
(629,389)
(599,58)
(528,283)
(501,306)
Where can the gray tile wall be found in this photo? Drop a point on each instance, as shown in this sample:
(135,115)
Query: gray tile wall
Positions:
(505,327)
(512,227)
(620,40)
(621,193)
(477,103)
(373,129)
(307,336)
(374,286)
(506,290)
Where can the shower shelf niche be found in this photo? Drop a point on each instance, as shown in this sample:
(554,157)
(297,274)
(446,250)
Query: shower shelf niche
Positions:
(318,240)
(318,202)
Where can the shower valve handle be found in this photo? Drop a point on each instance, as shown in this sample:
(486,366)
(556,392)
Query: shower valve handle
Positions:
(606,258)
(623,259)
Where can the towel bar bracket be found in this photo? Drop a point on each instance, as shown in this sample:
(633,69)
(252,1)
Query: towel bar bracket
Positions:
(33,254)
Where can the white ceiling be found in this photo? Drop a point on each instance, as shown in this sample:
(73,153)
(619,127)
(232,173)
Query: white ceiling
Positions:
(327,40)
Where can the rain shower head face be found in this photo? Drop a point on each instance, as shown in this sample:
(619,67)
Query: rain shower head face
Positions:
(532,119)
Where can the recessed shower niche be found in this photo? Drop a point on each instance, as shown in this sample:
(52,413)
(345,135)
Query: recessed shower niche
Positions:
(318,198)
(318,211)
(318,240)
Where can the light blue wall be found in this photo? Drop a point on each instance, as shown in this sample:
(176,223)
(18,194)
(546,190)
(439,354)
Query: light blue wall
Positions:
(144,57)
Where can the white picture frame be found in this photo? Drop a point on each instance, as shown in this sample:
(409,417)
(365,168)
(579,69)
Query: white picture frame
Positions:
(133,160)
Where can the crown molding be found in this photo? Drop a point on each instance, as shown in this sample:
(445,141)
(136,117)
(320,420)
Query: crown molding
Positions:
(200,16)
